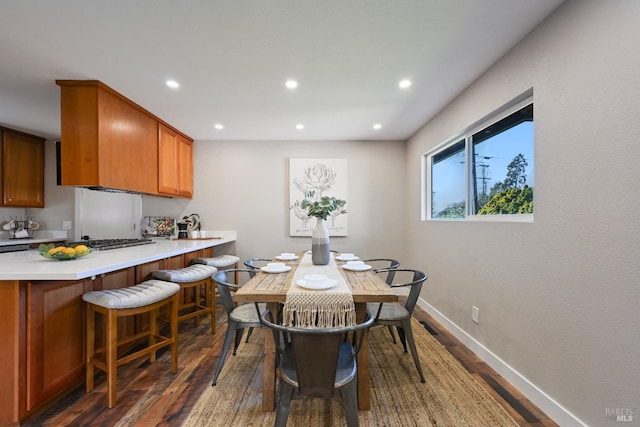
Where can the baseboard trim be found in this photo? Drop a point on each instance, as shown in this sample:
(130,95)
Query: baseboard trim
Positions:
(553,409)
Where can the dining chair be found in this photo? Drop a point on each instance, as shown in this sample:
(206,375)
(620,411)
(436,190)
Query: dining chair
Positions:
(254,264)
(316,362)
(398,314)
(389,265)
(239,317)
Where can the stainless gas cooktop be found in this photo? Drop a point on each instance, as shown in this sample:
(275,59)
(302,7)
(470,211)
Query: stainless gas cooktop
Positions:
(106,244)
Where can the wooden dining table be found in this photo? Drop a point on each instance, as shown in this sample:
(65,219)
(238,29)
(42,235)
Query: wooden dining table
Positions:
(271,288)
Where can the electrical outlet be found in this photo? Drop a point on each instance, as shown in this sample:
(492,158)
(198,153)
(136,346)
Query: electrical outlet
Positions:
(475,312)
(67,225)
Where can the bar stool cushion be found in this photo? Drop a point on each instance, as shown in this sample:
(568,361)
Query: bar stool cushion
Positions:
(221,261)
(192,273)
(148,292)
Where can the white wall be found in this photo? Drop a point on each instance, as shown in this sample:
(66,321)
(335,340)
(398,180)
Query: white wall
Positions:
(244,186)
(559,299)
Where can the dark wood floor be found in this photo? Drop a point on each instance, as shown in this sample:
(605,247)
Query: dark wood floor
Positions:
(149,395)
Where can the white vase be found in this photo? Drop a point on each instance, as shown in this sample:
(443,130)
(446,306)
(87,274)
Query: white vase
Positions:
(320,250)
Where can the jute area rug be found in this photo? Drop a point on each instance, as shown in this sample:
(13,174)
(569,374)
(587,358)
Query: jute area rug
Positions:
(450,396)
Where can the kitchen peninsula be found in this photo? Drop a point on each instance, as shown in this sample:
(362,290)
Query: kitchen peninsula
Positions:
(41,313)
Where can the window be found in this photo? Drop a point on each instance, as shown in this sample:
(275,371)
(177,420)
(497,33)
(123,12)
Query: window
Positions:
(448,172)
(487,172)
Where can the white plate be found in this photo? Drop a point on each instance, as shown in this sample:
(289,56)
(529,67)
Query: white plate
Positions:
(361,267)
(279,270)
(283,258)
(329,283)
(341,258)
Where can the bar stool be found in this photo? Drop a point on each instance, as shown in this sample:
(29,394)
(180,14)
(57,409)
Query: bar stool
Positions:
(147,297)
(221,262)
(195,282)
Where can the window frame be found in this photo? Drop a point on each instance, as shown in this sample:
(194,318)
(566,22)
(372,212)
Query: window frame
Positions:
(427,165)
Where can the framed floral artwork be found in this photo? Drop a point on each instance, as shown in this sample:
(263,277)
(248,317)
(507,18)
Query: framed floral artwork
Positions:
(320,177)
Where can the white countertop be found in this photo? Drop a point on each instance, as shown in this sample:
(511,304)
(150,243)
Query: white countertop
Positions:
(29,265)
(38,237)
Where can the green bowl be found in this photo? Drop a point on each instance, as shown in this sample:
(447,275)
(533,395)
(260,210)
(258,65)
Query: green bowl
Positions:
(44,252)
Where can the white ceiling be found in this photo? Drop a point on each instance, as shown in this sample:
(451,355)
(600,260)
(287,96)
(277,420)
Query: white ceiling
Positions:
(232,58)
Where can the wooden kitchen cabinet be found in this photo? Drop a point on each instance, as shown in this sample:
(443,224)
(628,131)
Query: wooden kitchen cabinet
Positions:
(185,167)
(107,140)
(116,279)
(175,163)
(111,142)
(143,271)
(21,169)
(55,350)
(174,263)
(200,253)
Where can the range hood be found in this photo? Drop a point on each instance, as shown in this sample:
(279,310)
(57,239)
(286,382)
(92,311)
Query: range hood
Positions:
(112,190)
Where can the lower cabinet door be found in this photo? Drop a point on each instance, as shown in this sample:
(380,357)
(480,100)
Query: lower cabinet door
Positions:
(200,253)
(55,350)
(143,271)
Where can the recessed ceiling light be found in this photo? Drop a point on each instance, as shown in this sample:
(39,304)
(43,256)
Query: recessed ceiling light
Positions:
(404,83)
(291,84)
(173,84)
(299,126)
(377,126)
(218,126)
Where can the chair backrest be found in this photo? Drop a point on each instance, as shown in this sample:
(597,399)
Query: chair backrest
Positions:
(387,264)
(315,352)
(254,264)
(224,280)
(415,280)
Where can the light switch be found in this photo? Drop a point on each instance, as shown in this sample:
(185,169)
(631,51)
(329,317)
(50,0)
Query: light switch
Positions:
(67,225)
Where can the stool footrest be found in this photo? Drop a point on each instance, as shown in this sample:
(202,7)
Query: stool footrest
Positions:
(162,342)
(198,310)
(100,353)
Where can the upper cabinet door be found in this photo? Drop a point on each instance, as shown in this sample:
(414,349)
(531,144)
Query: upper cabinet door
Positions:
(185,166)
(168,180)
(22,170)
(128,145)
(175,163)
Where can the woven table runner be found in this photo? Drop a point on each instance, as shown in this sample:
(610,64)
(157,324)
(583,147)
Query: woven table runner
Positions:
(325,308)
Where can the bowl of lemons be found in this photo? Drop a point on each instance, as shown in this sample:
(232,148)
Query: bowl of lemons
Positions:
(63,253)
